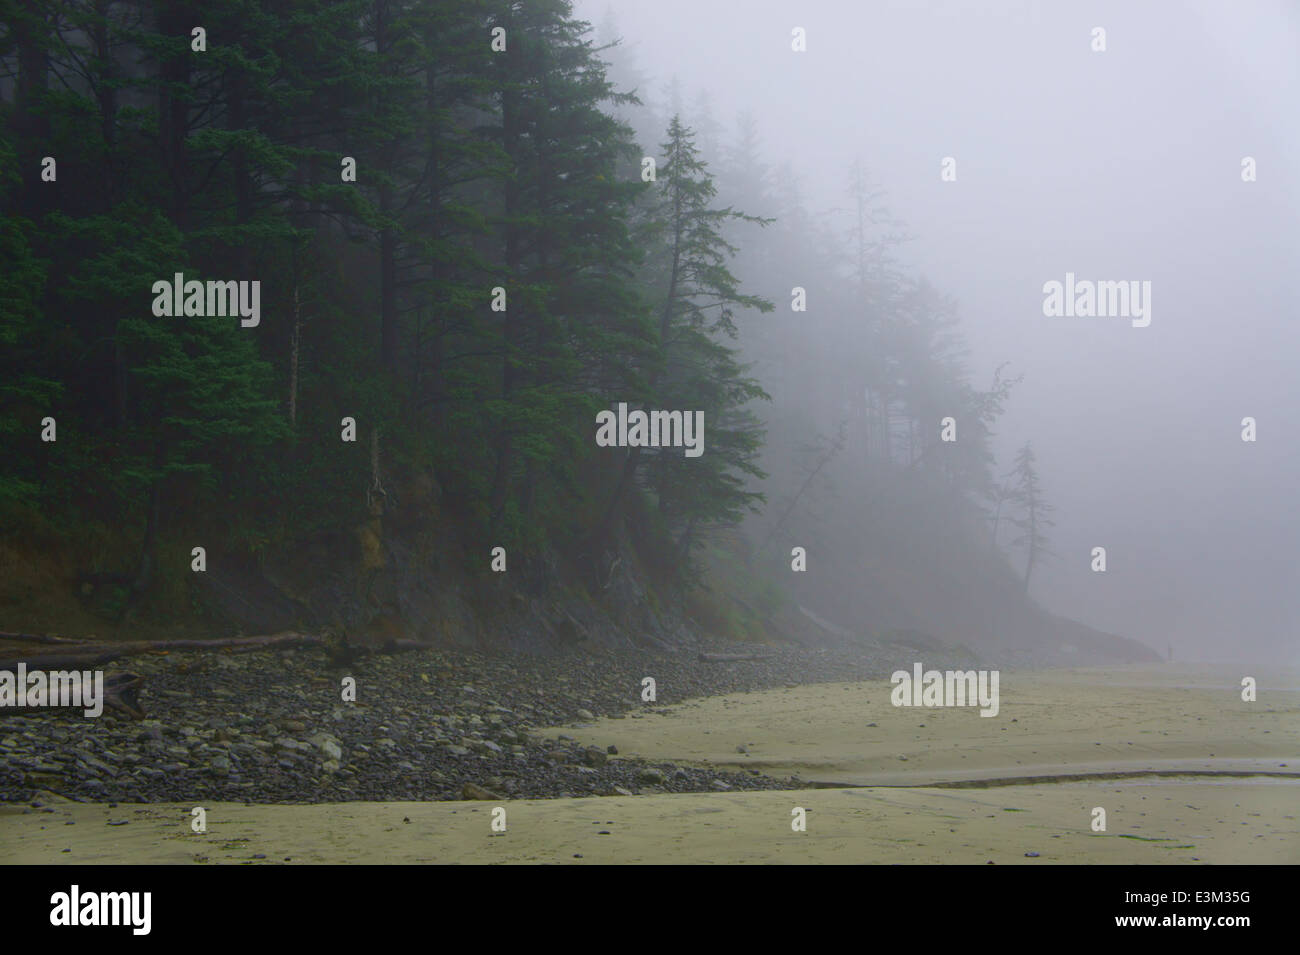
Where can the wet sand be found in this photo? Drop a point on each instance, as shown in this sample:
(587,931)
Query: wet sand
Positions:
(1050,723)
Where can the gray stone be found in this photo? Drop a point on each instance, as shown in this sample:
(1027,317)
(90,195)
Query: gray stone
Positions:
(474,791)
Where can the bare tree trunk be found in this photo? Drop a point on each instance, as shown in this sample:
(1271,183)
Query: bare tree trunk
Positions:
(833,450)
(997,518)
(388,281)
(144,572)
(684,542)
(106,91)
(886,426)
(294,344)
(175,21)
(31,120)
(1033,541)
(375,494)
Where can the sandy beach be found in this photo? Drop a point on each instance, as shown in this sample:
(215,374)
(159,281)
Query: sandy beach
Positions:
(1063,723)
(1050,723)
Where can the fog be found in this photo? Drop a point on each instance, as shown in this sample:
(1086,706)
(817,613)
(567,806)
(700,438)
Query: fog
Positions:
(1117,165)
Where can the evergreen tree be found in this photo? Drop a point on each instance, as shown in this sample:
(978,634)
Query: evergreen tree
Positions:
(475,168)
(27,393)
(695,368)
(1032,520)
(565,254)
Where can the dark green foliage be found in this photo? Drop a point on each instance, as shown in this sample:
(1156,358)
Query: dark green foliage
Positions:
(475,169)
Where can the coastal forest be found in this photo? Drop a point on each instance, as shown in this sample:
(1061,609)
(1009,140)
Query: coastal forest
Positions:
(312,311)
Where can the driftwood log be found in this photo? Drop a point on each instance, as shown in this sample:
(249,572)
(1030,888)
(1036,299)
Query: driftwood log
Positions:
(80,654)
(122,689)
(121,694)
(88,653)
(37,638)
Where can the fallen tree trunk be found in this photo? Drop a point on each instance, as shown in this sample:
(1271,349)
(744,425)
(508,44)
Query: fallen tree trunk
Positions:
(38,638)
(60,661)
(80,655)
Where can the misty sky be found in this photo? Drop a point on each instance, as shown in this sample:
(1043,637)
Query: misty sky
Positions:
(1115,166)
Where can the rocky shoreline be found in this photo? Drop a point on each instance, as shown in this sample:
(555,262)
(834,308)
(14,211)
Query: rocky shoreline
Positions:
(271,726)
